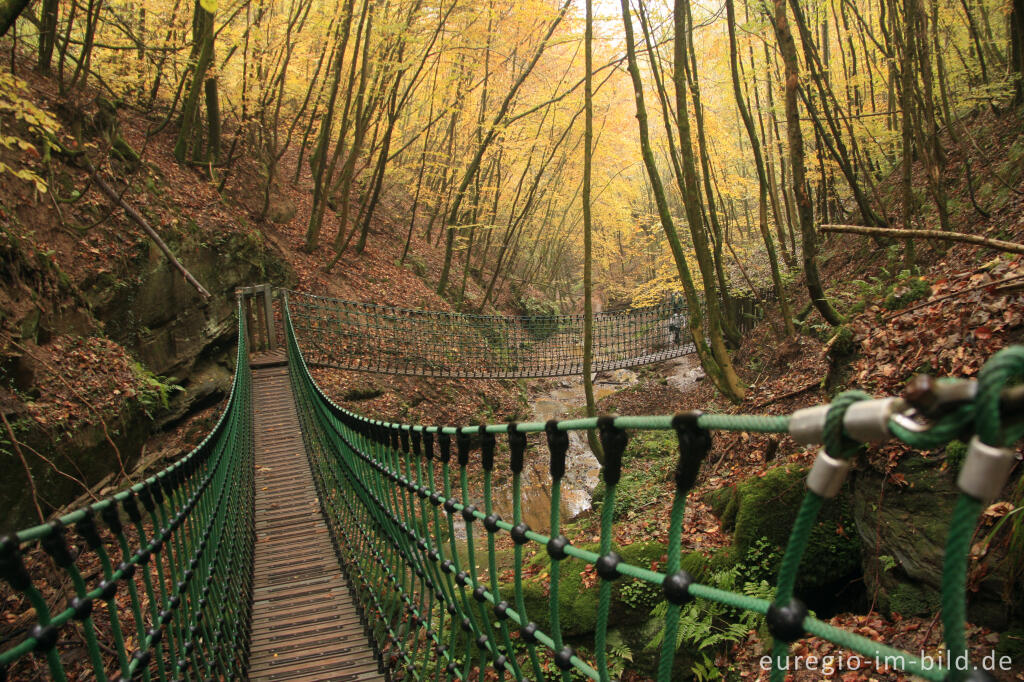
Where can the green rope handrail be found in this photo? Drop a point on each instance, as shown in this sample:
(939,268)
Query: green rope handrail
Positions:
(420,545)
(179,541)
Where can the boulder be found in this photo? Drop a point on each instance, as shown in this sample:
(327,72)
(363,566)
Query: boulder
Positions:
(906,526)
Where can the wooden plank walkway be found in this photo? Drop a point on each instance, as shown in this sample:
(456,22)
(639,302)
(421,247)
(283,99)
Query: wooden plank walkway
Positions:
(304,623)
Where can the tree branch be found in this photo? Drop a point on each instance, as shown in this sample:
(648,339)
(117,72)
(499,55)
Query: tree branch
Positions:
(144,224)
(939,235)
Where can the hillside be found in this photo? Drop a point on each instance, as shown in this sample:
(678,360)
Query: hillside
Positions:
(107,348)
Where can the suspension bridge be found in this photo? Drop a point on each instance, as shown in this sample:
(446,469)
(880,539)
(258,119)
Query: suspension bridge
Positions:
(302,541)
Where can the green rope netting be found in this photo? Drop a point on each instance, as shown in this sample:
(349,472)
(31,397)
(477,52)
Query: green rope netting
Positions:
(385,339)
(389,490)
(165,571)
(158,579)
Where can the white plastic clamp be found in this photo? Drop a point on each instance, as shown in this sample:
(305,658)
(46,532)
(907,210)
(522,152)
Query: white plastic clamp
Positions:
(867,421)
(806,426)
(827,475)
(985,470)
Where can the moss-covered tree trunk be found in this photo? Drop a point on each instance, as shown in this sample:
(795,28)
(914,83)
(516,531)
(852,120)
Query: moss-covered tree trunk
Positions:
(190,119)
(762,178)
(588,265)
(47,34)
(707,357)
(805,211)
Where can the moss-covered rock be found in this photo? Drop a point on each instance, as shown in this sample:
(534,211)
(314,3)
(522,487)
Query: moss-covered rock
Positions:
(906,525)
(577,602)
(766,508)
(723,503)
(911,599)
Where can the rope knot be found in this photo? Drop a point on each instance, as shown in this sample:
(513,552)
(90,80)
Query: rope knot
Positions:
(558,444)
(837,443)
(1002,369)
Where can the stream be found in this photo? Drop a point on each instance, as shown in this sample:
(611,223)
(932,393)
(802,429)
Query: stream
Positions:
(582,471)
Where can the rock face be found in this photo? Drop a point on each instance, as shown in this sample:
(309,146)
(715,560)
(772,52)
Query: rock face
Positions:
(163,321)
(150,310)
(904,528)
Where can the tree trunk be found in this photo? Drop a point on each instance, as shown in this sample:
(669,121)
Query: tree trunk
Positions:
(9,12)
(47,34)
(762,180)
(454,212)
(704,352)
(588,258)
(796,154)
(190,120)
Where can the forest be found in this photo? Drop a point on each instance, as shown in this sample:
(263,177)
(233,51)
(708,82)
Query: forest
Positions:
(830,191)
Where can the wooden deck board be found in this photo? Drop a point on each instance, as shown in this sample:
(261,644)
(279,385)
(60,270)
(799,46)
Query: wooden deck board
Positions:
(304,623)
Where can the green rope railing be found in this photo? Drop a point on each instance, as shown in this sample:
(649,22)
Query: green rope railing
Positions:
(166,566)
(397,505)
(177,547)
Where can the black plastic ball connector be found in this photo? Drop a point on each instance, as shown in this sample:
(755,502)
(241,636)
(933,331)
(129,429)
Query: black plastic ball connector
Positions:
(529,632)
(499,663)
(143,657)
(435,499)
(563,658)
(448,565)
(449,505)
(433,555)
(82,607)
(108,588)
(11,567)
(556,547)
(467,514)
(786,623)
(439,649)
(676,588)
(462,578)
(467,624)
(491,523)
(518,533)
(608,566)
(480,593)
(501,610)
(45,636)
(451,668)
(481,641)
(452,609)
